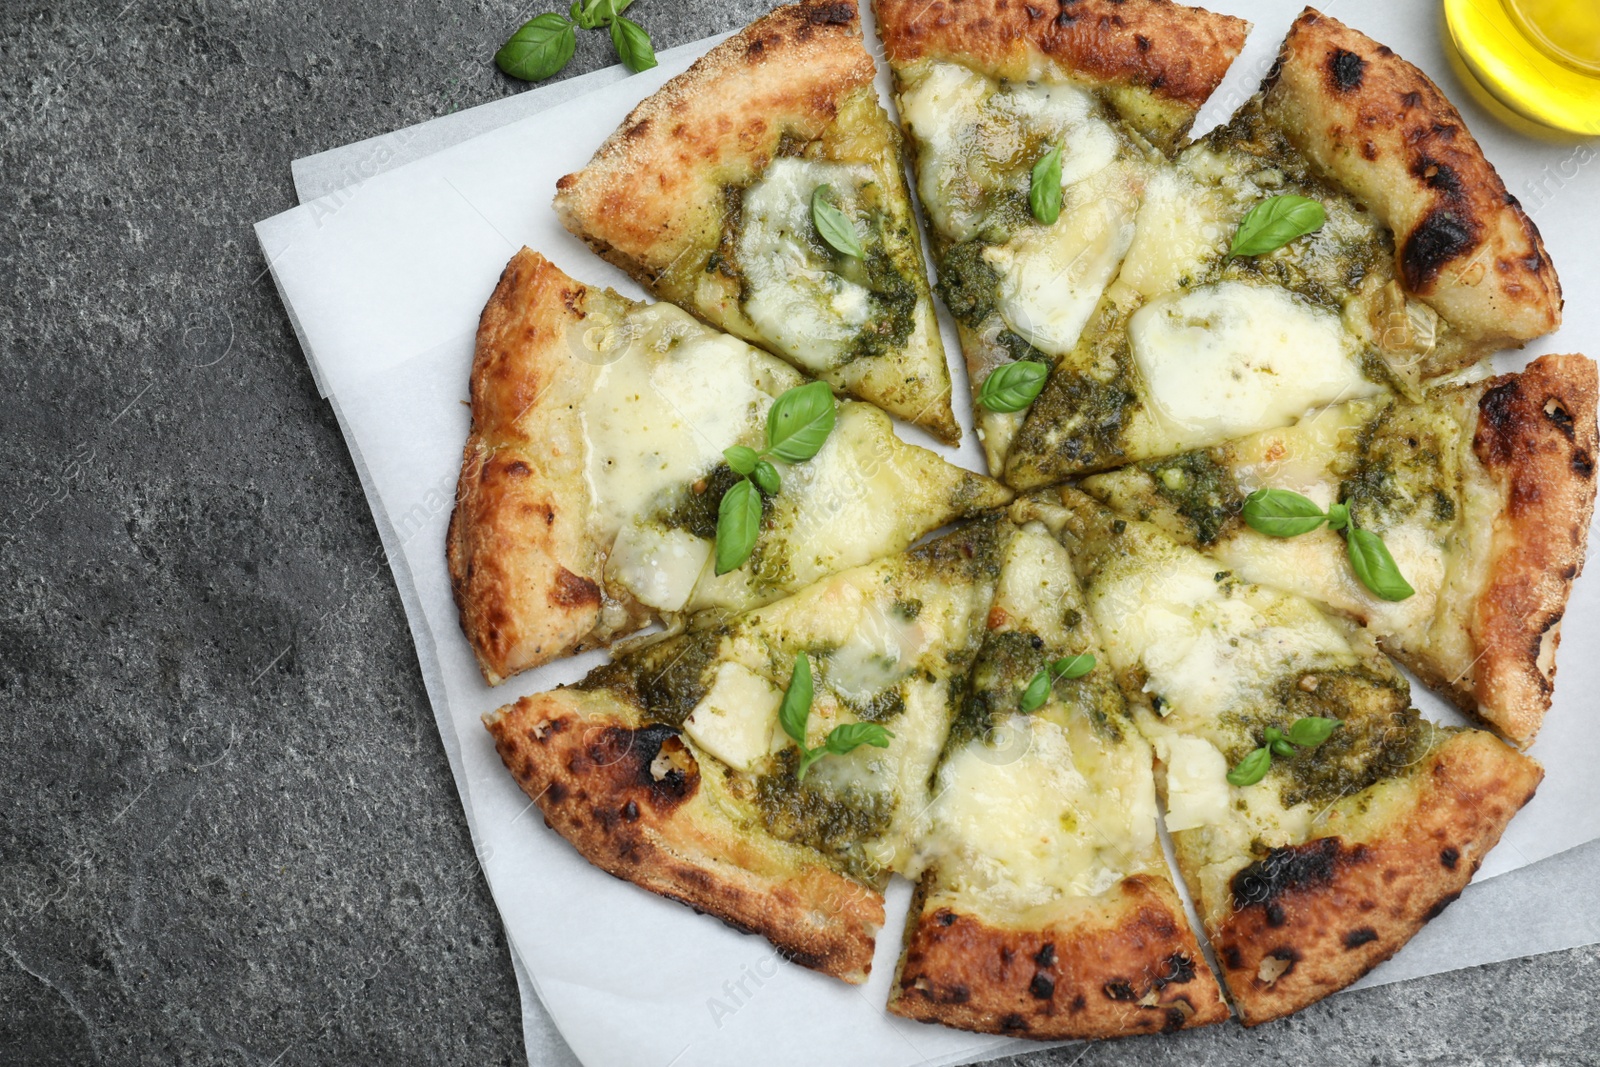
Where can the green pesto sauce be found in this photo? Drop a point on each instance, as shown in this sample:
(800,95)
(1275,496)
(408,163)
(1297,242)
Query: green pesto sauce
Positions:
(967,283)
(1404,466)
(812,813)
(1198,488)
(880,707)
(667,679)
(694,508)
(1084,417)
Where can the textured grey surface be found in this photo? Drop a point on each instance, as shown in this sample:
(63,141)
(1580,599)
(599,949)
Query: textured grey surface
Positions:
(227,827)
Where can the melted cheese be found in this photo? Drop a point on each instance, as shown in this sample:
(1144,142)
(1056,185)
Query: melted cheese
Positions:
(1230,358)
(797,303)
(659,566)
(1198,793)
(1182,226)
(734,722)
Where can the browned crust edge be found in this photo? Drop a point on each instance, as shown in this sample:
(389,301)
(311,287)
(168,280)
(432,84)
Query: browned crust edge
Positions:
(1130,965)
(629,799)
(1177,54)
(1310,919)
(633,202)
(1536,436)
(1382,129)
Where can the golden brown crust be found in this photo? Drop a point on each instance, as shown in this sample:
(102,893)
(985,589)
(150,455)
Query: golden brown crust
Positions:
(1174,56)
(1310,919)
(1126,964)
(524,570)
(1536,436)
(632,800)
(1382,129)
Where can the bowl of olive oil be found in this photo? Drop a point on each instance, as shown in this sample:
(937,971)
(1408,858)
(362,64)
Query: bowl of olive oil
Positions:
(1541,58)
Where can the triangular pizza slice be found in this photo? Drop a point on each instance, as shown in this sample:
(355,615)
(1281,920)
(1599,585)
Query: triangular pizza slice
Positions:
(1482,494)
(1343,235)
(1318,820)
(764,190)
(593,478)
(989,93)
(1045,908)
(676,766)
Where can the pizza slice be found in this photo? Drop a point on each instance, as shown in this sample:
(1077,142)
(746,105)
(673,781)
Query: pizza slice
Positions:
(1343,235)
(594,475)
(676,766)
(1045,908)
(1088,99)
(763,190)
(1318,820)
(1482,493)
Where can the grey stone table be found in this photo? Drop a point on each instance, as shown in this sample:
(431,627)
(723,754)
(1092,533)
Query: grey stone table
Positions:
(228,832)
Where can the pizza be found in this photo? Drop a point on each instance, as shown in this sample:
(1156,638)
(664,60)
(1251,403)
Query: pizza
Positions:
(588,499)
(1328,860)
(709,196)
(1044,907)
(1342,236)
(1483,493)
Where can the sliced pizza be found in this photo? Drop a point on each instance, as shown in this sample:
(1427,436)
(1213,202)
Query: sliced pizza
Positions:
(764,190)
(1482,494)
(1034,134)
(773,770)
(1044,908)
(1341,236)
(1318,820)
(594,475)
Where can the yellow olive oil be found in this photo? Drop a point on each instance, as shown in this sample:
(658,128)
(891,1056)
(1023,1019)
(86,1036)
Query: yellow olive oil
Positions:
(1541,58)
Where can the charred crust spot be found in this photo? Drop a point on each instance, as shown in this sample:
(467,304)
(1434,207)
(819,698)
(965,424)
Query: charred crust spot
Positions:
(1361,935)
(1582,464)
(944,917)
(1411,99)
(1119,990)
(1347,70)
(1559,417)
(1437,175)
(1141,42)
(1066,18)
(1275,915)
(1179,971)
(1034,13)
(638,129)
(957,994)
(1231,957)
(1013,1023)
(1497,417)
(1441,904)
(837,14)
(574,590)
(556,792)
(1285,870)
(1449,857)
(518,468)
(1440,237)
(1079,1002)
(1369,151)
(755,49)
(1043,987)
(1046,956)
(1175,1021)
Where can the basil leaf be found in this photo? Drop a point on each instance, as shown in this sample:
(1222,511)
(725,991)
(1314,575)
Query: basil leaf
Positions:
(800,420)
(1275,222)
(849,736)
(1312,730)
(1370,559)
(738,525)
(1338,516)
(834,225)
(1252,768)
(1013,386)
(1037,693)
(765,475)
(1281,513)
(741,458)
(1280,747)
(1072,666)
(795,710)
(632,44)
(807,758)
(1044,190)
(540,48)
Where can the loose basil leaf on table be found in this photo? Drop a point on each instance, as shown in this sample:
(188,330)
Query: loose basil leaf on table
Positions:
(833,224)
(1044,186)
(1275,222)
(738,525)
(632,44)
(1013,386)
(539,49)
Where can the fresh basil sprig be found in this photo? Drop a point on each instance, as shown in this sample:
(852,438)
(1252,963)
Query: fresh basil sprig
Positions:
(1013,386)
(1275,222)
(1282,513)
(798,423)
(1305,733)
(1038,690)
(1044,186)
(795,712)
(545,43)
(833,224)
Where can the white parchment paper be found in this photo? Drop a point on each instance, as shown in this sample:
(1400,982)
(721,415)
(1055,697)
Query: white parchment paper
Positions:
(384,277)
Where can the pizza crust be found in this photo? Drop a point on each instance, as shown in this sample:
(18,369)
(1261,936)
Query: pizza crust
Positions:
(1312,918)
(632,799)
(1158,60)
(1381,128)
(1125,963)
(526,572)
